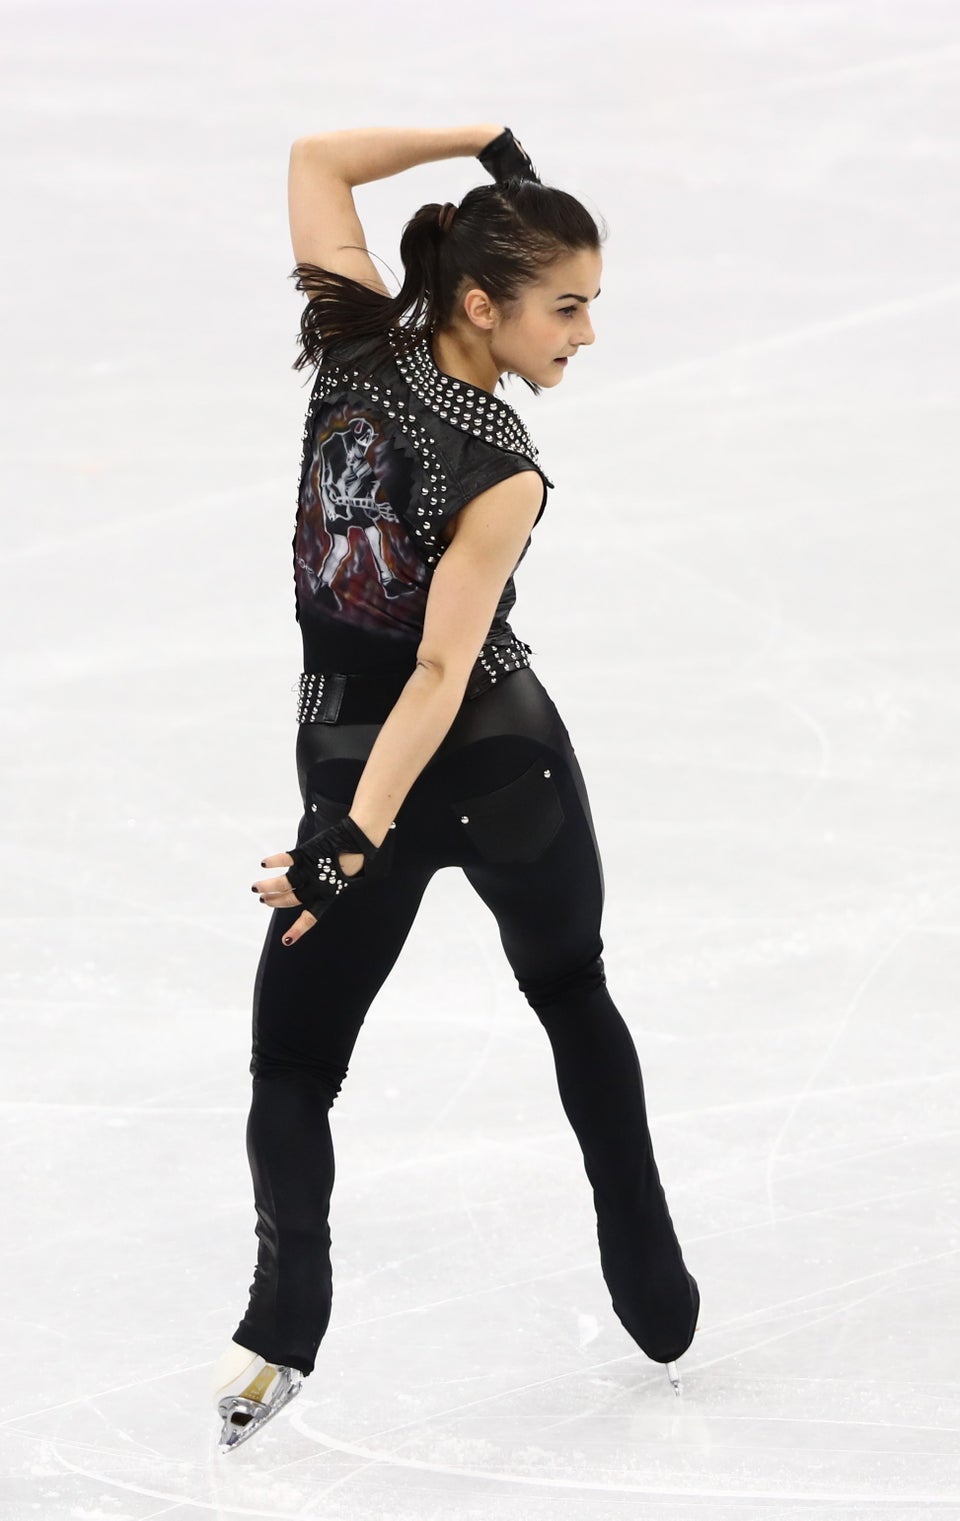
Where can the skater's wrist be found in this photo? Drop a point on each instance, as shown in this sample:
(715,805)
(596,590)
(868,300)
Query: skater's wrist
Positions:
(375,833)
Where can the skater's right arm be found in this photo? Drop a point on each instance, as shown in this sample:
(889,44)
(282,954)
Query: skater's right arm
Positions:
(325,168)
(359,155)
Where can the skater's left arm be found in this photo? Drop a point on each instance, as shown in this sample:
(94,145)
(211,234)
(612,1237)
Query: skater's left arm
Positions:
(465,589)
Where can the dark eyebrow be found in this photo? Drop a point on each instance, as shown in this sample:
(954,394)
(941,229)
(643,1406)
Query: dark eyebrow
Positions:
(569,293)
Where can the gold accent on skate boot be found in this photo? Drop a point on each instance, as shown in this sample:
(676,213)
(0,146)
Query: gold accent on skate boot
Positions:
(258,1386)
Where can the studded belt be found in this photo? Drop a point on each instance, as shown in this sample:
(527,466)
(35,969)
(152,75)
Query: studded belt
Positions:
(338,697)
(342,697)
(496,661)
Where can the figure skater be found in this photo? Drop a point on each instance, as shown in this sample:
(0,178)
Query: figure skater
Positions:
(425,738)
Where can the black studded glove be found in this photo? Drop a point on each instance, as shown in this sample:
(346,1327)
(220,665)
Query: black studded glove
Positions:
(504,158)
(316,875)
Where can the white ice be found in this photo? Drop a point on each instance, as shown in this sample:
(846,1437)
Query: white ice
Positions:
(754,528)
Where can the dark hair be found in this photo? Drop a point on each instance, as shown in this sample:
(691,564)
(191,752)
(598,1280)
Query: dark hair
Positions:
(502,237)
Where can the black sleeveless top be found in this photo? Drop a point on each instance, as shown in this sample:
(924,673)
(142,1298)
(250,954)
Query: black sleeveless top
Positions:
(392,448)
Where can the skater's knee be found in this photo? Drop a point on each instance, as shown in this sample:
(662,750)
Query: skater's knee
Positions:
(562,988)
(318,1073)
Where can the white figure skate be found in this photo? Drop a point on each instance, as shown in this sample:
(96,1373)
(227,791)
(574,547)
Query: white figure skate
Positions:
(246,1402)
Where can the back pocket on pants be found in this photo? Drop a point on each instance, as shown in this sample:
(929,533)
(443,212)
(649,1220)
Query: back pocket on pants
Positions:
(319,814)
(515,822)
(322,811)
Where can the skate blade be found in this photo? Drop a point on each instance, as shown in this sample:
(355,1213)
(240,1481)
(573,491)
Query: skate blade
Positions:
(673,1372)
(244,1414)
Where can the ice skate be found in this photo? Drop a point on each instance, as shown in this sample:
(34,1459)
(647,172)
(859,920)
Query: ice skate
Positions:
(253,1397)
(673,1372)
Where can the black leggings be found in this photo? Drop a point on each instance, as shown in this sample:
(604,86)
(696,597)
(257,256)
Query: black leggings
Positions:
(503,798)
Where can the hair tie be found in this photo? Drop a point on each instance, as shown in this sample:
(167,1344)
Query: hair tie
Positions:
(445,216)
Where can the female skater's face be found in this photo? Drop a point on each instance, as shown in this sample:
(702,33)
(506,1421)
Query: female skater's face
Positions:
(552,321)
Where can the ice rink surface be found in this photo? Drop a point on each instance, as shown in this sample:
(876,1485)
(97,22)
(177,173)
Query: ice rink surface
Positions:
(754,532)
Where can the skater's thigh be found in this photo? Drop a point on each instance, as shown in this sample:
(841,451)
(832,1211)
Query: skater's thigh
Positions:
(311,997)
(536,864)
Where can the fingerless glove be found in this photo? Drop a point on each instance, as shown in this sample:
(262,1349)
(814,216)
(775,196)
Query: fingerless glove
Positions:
(316,876)
(504,159)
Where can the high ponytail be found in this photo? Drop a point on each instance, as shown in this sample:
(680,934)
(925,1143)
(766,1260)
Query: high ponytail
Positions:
(500,239)
(342,308)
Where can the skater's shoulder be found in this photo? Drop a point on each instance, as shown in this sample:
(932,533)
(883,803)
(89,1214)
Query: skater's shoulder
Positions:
(464,438)
(356,358)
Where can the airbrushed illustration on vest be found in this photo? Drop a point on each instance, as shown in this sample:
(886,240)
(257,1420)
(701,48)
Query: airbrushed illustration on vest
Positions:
(353,554)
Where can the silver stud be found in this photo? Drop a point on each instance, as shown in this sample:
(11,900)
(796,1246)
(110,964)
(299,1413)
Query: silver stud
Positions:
(464,818)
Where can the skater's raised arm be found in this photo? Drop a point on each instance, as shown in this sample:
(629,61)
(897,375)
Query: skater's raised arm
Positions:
(325,228)
(359,155)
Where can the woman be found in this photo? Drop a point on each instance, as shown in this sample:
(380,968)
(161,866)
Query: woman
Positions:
(425,739)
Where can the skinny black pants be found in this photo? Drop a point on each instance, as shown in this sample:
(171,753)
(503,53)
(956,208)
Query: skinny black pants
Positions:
(503,798)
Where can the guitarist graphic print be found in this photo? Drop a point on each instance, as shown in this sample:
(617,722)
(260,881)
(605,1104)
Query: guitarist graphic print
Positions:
(353,555)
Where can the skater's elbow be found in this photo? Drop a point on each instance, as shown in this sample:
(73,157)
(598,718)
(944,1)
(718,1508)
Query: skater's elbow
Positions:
(440,673)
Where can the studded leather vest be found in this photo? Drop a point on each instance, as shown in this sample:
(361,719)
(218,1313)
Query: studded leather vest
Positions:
(392,448)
